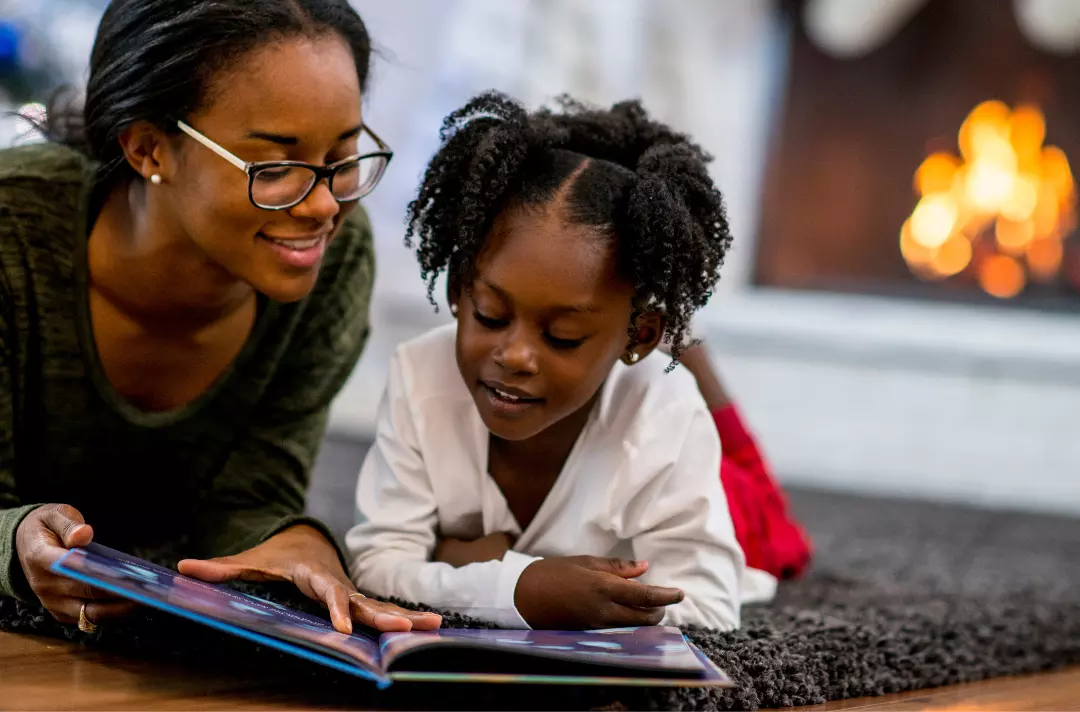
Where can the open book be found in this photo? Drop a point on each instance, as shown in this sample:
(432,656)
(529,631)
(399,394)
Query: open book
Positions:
(651,656)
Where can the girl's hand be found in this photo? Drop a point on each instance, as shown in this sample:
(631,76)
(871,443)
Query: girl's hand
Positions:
(42,538)
(587,592)
(459,552)
(302,555)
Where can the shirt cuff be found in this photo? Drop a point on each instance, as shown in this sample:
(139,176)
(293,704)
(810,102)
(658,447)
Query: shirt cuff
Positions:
(12,578)
(513,564)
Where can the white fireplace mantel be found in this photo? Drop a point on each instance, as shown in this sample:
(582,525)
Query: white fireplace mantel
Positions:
(970,403)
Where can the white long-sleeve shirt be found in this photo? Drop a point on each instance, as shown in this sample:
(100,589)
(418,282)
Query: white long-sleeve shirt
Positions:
(642,482)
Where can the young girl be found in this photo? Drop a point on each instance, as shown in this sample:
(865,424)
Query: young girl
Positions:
(532,466)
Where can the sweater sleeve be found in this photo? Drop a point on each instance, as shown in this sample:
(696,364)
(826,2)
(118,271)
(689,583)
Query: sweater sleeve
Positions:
(262,487)
(12,509)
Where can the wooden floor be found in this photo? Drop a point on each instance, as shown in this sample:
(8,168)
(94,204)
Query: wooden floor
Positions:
(45,674)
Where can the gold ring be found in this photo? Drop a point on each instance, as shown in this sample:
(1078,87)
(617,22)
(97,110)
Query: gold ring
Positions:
(85,625)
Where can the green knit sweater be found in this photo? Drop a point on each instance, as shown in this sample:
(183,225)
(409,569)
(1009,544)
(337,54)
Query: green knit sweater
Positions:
(211,478)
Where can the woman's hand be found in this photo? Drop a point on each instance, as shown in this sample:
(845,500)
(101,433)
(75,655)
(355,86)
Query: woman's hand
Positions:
(42,538)
(586,592)
(460,552)
(303,556)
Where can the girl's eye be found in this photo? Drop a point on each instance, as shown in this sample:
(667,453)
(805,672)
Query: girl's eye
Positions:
(564,344)
(489,322)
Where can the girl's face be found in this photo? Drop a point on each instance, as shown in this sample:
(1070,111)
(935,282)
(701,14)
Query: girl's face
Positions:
(297,99)
(543,322)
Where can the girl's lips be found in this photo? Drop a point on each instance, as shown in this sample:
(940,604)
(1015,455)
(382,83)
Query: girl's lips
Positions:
(505,404)
(510,392)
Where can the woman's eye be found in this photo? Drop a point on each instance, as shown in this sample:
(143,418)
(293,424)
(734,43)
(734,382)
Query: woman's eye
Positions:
(564,344)
(489,322)
(271,175)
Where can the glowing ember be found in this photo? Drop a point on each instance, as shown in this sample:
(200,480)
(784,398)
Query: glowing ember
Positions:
(1006,189)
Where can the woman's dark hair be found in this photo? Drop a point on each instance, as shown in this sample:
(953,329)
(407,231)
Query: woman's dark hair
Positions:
(153,60)
(632,179)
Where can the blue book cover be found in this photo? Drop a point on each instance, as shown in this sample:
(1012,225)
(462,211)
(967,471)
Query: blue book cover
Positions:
(648,656)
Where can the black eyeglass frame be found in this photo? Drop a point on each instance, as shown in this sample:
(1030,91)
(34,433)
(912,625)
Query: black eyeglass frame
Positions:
(321,172)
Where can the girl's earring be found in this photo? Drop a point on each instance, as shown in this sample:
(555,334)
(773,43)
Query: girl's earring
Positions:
(453,309)
(155,179)
(631,357)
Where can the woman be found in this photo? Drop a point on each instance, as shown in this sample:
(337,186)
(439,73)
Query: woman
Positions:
(182,297)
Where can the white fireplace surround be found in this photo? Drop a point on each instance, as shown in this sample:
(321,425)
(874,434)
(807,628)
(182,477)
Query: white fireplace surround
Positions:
(960,403)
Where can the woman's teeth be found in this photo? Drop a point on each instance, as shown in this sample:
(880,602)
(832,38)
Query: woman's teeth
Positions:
(505,395)
(298,245)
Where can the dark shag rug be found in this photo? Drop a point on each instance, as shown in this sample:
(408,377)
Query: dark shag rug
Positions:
(903,595)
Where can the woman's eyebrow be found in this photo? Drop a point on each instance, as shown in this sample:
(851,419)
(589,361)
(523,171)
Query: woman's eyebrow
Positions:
(283,140)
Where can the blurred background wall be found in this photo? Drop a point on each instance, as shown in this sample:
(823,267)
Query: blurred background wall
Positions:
(900,311)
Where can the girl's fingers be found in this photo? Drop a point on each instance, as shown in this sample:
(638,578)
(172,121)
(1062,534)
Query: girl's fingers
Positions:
(623,568)
(623,616)
(639,595)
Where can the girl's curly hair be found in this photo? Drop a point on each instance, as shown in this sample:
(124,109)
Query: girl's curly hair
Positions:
(632,179)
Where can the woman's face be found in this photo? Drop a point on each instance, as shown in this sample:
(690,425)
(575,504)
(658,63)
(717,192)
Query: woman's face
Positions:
(297,99)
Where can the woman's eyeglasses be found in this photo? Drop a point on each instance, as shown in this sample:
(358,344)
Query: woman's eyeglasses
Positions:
(279,185)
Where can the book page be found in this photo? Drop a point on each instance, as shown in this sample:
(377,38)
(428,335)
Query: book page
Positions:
(655,648)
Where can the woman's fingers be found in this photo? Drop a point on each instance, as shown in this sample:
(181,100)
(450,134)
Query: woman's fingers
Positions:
(316,581)
(98,611)
(63,608)
(67,524)
(66,609)
(333,593)
(387,617)
(420,620)
(226,568)
(384,617)
(57,586)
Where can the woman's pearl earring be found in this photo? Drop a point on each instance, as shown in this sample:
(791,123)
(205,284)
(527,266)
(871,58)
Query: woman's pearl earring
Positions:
(631,357)
(155,179)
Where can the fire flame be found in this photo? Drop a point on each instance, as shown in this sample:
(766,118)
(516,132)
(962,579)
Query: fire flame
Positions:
(1002,208)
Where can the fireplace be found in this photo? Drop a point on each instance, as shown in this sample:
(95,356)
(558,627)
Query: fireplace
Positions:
(983,123)
(948,368)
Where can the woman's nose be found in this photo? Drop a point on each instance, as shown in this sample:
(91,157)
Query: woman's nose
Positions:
(319,205)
